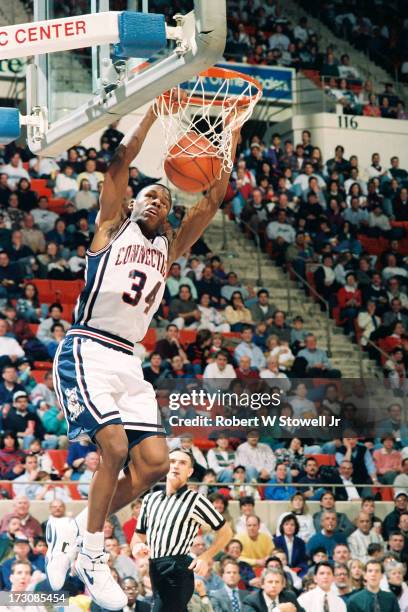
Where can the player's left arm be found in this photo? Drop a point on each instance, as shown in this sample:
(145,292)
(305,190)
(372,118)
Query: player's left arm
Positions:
(199,216)
(223,536)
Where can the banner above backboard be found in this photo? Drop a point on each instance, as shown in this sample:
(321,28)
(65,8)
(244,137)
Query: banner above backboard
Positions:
(277,82)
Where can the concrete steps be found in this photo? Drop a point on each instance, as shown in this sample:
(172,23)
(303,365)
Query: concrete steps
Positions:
(239,254)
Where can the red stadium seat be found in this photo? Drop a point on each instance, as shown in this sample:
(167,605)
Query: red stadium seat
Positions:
(42,365)
(57,205)
(45,292)
(59,459)
(7,486)
(324,459)
(40,186)
(187,336)
(38,375)
(67,311)
(66,291)
(34,327)
(150,339)
(323,382)
(204,443)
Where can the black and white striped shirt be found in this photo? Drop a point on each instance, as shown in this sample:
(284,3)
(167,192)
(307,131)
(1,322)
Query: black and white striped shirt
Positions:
(171,522)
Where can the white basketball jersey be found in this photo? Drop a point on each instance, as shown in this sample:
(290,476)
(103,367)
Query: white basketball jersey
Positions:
(124,284)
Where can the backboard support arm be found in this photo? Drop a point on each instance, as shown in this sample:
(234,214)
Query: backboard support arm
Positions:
(200,41)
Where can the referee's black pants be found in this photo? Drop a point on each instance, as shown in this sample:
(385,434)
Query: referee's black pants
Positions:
(172,583)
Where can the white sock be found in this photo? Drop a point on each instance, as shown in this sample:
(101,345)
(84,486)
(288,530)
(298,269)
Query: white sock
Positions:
(93,543)
(81,520)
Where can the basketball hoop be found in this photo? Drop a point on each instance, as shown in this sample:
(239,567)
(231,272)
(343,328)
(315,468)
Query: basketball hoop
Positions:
(212,114)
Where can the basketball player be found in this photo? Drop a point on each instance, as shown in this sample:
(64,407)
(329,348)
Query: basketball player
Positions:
(99,382)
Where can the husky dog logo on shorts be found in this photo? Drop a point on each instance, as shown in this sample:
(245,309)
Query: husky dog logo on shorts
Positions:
(74,407)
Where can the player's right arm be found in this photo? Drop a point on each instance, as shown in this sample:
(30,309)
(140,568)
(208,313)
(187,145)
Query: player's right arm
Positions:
(111,213)
(138,545)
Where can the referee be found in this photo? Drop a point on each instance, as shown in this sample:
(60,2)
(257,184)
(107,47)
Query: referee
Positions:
(167,525)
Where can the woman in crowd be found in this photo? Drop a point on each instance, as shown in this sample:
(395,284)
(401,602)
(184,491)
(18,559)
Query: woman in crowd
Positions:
(299,508)
(349,299)
(236,313)
(29,307)
(293,546)
(85,199)
(356,568)
(11,457)
(387,460)
(395,573)
(372,109)
(211,318)
(53,265)
(26,196)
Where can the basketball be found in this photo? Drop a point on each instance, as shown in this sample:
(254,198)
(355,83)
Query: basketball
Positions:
(188,167)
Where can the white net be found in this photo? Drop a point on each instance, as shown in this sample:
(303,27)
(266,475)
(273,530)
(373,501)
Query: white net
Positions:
(198,123)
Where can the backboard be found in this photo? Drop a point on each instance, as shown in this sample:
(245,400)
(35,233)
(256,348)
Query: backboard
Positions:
(67,79)
(74,92)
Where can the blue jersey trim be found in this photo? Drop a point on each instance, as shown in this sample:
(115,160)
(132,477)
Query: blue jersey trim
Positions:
(96,290)
(105,248)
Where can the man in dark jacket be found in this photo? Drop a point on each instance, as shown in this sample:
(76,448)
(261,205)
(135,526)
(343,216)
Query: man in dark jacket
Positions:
(272,595)
(24,422)
(263,310)
(391,521)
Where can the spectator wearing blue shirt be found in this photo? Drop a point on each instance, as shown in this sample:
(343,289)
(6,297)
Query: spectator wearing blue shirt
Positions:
(9,384)
(22,552)
(317,362)
(77,452)
(328,537)
(355,215)
(279,492)
(247,348)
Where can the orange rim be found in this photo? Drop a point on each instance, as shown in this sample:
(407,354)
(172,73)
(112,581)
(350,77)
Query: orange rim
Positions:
(227,75)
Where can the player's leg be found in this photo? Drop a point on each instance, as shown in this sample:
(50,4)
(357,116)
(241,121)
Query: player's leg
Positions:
(91,565)
(84,390)
(113,446)
(149,464)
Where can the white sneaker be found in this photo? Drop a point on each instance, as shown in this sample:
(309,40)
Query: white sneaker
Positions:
(97,577)
(63,540)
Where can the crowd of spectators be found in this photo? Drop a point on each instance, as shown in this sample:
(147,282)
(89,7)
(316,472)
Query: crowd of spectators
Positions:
(378,29)
(300,557)
(260,34)
(310,213)
(321,216)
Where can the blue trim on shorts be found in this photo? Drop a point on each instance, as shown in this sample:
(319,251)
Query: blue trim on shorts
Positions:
(78,407)
(101,337)
(142,436)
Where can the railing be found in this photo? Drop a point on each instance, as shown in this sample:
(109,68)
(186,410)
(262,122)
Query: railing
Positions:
(319,297)
(54,484)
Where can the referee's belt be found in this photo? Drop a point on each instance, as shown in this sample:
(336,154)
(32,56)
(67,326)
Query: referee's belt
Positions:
(102,337)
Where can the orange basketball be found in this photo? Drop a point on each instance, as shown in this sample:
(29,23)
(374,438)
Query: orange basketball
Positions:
(192,169)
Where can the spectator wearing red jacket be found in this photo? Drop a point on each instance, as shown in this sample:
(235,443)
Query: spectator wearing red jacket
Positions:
(395,339)
(129,526)
(241,191)
(349,299)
